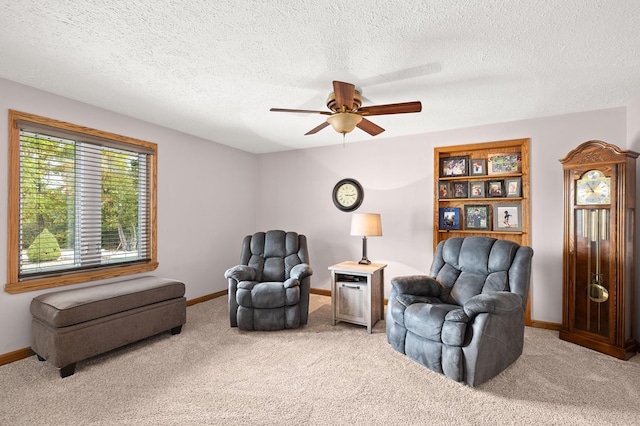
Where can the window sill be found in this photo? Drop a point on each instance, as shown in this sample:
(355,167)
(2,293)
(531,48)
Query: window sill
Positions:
(81,277)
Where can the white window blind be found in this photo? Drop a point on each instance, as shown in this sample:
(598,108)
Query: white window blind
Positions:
(83,204)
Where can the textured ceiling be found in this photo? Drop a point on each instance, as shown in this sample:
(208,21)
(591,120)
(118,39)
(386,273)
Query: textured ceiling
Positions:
(214,68)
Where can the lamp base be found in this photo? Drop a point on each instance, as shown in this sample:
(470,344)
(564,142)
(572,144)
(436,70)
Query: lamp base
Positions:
(364,260)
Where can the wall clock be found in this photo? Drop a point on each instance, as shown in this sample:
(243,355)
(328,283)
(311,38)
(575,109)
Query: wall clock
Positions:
(348,195)
(598,250)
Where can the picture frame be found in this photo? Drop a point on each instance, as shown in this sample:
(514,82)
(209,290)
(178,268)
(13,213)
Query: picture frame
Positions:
(478,167)
(477,216)
(460,189)
(504,163)
(513,187)
(495,188)
(444,189)
(449,218)
(454,166)
(476,189)
(507,217)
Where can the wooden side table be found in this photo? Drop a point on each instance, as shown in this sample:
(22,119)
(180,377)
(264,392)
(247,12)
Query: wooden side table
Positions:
(357,293)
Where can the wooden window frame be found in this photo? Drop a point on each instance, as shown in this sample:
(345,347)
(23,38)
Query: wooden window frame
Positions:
(14,284)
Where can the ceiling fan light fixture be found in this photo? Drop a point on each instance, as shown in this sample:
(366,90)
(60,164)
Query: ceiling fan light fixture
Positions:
(344,122)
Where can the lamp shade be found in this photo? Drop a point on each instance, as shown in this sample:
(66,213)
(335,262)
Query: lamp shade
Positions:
(366,224)
(344,122)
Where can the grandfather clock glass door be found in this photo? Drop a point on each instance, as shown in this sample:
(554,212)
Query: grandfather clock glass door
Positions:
(593,271)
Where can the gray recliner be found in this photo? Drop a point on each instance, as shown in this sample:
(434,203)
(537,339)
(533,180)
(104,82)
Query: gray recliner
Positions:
(269,289)
(466,318)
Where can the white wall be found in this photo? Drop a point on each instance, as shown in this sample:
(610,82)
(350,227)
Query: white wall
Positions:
(204,204)
(397,176)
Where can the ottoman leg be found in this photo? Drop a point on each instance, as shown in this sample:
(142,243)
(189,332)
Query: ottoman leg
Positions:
(68,370)
(176,330)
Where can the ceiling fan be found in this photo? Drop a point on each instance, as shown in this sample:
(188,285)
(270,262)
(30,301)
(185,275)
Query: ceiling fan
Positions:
(346,112)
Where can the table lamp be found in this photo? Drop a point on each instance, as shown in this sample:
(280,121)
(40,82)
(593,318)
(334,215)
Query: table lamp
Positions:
(366,225)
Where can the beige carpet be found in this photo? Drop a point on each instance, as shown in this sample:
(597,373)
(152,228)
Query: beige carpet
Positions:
(320,375)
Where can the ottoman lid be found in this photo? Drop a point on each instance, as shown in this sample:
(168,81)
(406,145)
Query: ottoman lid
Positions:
(68,307)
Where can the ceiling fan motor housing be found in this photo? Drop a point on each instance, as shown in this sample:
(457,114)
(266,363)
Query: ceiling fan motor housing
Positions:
(331,102)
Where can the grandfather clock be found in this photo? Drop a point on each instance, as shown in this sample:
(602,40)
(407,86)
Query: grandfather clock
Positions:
(598,253)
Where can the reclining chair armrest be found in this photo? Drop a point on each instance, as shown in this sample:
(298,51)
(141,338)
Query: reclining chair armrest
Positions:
(301,271)
(241,273)
(291,282)
(500,302)
(247,285)
(457,315)
(239,277)
(416,285)
(454,328)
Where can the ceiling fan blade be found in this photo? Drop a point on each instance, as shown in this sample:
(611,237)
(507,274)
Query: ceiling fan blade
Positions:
(370,127)
(304,111)
(401,108)
(317,128)
(344,93)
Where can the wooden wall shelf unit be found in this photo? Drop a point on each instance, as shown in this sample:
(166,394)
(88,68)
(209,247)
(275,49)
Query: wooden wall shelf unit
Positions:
(496,178)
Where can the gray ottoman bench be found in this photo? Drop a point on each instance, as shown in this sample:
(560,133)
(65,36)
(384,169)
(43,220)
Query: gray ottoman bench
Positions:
(72,325)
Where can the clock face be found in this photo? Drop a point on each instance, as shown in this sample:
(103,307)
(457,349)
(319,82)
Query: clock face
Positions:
(594,188)
(348,195)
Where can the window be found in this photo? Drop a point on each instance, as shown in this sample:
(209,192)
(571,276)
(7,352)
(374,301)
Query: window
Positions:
(82,204)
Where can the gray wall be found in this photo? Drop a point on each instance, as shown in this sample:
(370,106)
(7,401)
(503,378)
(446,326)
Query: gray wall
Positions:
(206,206)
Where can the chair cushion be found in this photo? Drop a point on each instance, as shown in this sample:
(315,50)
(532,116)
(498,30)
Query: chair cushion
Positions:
(426,319)
(398,307)
(267,295)
(410,299)
(471,266)
(274,253)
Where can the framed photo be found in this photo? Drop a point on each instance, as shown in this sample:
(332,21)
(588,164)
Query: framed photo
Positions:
(504,163)
(495,188)
(513,187)
(444,189)
(476,189)
(507,217)
(454,166)
(476,216)
(449,218)
(460,189)
(478,167)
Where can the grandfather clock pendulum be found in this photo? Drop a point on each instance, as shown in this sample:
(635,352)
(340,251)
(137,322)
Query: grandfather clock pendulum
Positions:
(598,253)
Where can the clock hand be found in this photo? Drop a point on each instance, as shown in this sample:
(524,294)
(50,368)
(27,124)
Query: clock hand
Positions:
(589,185)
